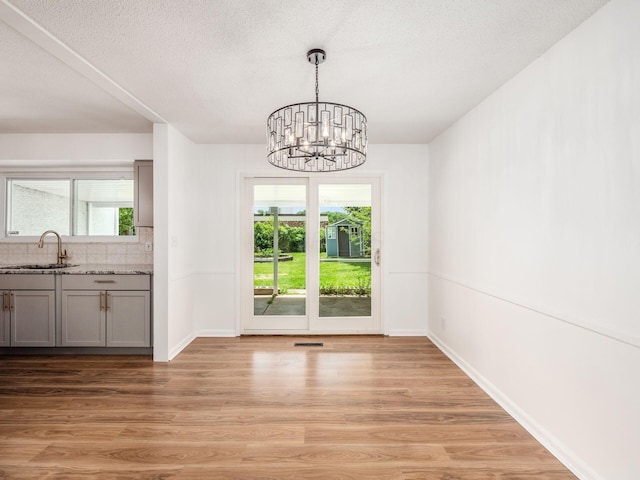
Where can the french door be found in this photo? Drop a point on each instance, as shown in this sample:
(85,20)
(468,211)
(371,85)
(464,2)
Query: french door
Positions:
(311,256)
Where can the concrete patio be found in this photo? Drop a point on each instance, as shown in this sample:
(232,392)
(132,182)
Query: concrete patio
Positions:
(334,306)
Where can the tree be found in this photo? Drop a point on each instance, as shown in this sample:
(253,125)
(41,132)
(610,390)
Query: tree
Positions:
(363,214)
(323,240)
(334,217)
(125,221)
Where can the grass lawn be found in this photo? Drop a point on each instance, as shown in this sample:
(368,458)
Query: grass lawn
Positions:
(291,275)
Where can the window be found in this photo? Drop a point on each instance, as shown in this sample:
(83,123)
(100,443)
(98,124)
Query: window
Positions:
(70,206)
(331,233)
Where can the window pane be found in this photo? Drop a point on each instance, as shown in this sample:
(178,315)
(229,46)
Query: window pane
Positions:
(103,207)
(279,231)
(37,205)
(345,250)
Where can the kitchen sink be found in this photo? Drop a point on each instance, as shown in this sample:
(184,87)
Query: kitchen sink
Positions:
(38,266)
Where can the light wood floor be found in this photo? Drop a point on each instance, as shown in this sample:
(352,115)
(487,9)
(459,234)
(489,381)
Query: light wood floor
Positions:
(258,408)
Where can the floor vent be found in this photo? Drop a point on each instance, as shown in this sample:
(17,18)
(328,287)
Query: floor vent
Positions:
(309,344)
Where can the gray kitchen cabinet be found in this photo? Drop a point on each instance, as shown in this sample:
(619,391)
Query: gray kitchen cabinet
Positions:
(28,317)
(83,319)
(143,193)
(5,323)
(128,319)
(106,310)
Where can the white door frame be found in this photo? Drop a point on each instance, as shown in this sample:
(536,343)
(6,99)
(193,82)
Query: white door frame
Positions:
(313,325)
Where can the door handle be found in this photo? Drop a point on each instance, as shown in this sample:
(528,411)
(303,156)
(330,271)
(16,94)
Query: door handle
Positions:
(376,257)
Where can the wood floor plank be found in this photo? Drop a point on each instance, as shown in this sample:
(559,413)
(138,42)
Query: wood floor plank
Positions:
(200,433)
(486,473)
(346,454)
(288,472)
(65,431)
(259,416)
(41,417)
(146,453)
(52,472)
(259,408)
(396,434)
(520,453)
(458,417)
(12,452)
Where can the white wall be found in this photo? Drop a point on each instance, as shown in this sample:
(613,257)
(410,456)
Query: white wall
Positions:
(74,149)
(404,170)
(405,256)
(176,226)
(534,240)
(161,181)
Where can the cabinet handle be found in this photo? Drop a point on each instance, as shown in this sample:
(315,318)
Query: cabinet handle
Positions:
(5,306)
(11,301)
(106,296)
(101,307)
(104,281)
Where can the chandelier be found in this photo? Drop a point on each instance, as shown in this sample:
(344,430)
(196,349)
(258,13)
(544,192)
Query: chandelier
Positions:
(316,136)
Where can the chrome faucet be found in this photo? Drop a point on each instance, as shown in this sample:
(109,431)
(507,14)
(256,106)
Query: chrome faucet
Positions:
(61,255)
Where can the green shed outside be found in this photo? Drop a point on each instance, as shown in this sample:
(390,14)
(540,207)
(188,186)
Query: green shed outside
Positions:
(344,238)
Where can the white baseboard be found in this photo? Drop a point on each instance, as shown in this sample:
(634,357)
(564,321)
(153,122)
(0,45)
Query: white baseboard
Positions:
(216,333)
(181,346)
(408,333)
(549,441)
(200,333)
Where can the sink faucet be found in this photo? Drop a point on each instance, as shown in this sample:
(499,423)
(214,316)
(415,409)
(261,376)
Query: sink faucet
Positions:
(61,255)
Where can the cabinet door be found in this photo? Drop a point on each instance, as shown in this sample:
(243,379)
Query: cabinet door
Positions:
(143,193)
(33,318)
(129,319)
(5,322)
(83,319)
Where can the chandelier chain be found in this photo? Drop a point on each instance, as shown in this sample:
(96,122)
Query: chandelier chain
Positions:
(317,80)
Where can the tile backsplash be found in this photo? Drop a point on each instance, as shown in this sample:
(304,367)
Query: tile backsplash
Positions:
(80,253)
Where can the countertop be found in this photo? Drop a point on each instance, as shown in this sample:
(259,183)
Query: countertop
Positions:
(97,269)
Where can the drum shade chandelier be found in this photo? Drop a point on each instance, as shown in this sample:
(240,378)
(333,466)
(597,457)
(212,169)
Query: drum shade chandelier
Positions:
(316,136)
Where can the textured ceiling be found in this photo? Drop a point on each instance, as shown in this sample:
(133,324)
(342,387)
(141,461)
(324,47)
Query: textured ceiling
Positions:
(40,94)
(215,69)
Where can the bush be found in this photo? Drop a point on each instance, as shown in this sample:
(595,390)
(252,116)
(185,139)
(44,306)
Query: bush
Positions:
(267,252)
(296,238)
(262,235)
(362,289)
(290,239)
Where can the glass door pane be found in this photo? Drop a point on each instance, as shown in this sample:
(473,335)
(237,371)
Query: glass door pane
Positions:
(345,250)
(279,237)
